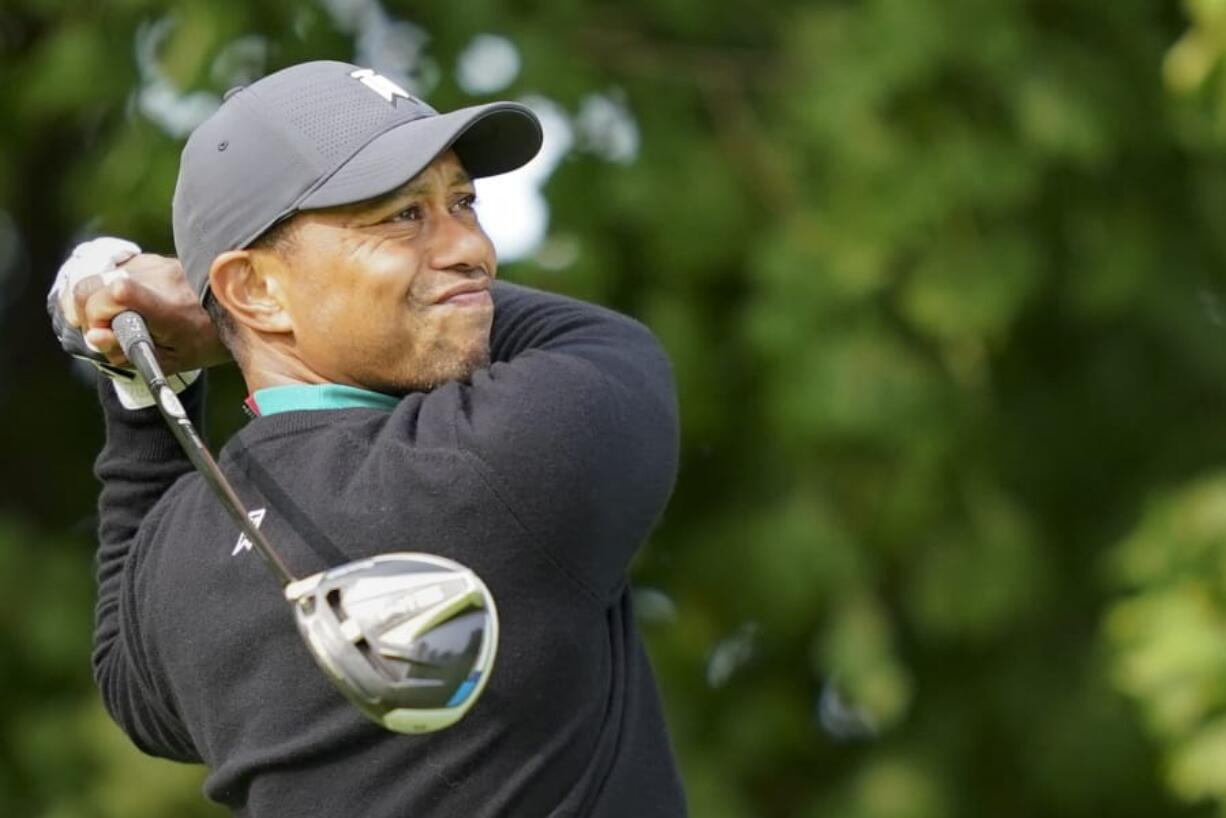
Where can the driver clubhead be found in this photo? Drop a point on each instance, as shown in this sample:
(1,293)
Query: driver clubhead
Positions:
(408,638)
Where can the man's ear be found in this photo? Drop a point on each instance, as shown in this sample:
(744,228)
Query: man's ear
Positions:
(250,291)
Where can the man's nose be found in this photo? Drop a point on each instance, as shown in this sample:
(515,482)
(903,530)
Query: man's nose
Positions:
(459,244)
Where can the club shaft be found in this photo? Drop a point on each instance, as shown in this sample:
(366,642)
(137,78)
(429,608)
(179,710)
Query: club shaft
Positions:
(133,336)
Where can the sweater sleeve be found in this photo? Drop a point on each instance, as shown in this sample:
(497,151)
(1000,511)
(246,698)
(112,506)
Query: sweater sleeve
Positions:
(576,421)
(139,462)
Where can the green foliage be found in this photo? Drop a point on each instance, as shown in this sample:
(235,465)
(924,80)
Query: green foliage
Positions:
(941,280)
(1169,632)
(62,756)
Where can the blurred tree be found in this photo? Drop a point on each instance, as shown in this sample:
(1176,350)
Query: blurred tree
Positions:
(1169,634)
(942,283)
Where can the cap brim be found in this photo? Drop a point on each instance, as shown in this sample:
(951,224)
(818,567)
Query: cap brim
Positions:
(489,139)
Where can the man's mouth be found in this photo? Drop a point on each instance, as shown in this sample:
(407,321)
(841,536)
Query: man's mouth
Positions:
(468,293)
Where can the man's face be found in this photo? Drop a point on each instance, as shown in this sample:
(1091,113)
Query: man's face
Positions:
(392,294)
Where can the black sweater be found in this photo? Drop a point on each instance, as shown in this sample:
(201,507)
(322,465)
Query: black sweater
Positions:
(544,473)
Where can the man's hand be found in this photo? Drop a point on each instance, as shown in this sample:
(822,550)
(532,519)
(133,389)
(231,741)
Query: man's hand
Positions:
(156,287)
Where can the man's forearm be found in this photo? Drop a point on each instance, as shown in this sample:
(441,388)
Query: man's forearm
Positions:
(577,422)
(138,464)
(139,461)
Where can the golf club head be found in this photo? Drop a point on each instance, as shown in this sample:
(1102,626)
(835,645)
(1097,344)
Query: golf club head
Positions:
(408,638)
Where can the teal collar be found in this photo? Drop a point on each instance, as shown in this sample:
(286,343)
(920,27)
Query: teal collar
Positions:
(275,399)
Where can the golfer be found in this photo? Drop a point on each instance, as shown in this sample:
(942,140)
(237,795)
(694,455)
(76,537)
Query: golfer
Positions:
(401,400)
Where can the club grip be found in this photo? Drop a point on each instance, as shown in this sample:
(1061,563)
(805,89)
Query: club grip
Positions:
(137,345)
(129,328)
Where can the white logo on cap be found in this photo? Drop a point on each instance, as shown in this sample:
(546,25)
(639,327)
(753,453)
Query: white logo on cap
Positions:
(381,85)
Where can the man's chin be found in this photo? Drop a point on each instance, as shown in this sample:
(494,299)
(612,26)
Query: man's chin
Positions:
(459,368)
(479,359)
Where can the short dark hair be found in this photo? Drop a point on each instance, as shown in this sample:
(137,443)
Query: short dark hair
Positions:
(277,239)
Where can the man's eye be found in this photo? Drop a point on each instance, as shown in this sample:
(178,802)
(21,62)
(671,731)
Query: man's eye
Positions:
(466,202)
(409,214)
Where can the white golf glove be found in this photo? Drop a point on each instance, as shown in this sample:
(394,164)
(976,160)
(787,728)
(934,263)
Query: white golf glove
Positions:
(100,257)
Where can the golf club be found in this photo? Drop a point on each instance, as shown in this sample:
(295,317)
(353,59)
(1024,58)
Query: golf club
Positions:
(409,638)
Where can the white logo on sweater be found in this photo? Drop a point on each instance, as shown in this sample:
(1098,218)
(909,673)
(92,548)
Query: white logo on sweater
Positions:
(256,516)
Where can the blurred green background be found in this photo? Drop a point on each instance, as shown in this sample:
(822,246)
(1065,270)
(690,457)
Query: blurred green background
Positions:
(943,283)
